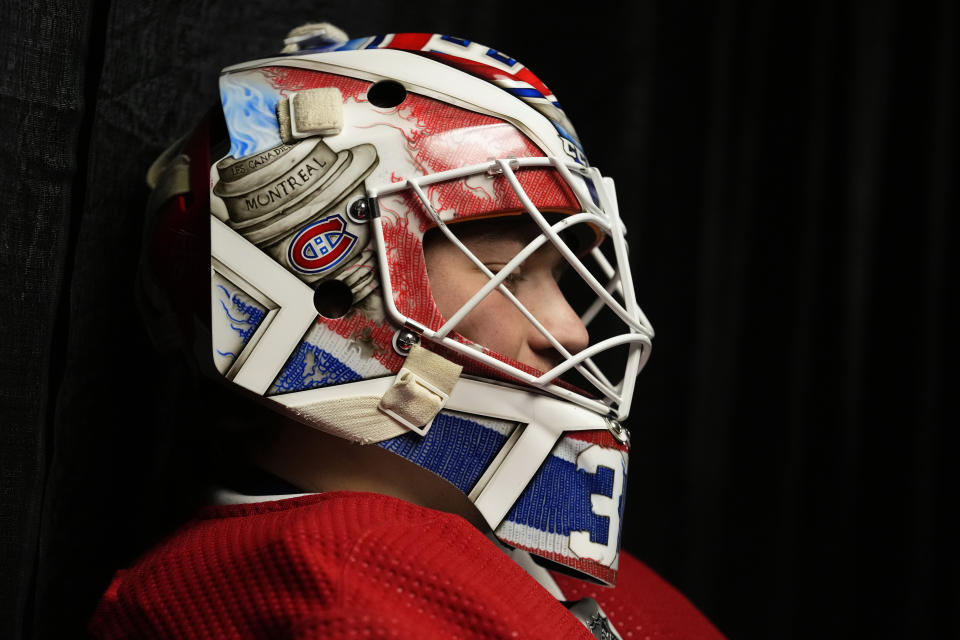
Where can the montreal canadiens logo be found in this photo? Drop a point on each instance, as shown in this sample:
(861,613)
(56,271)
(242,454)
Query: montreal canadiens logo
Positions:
(320,246)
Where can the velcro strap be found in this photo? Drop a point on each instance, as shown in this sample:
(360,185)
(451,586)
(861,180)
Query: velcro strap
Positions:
(356,419)
(313,112)
(420,389)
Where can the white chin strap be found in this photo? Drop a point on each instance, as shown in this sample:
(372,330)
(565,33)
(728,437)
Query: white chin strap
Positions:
(370,411)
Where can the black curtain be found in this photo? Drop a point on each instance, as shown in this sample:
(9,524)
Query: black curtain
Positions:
(787,171)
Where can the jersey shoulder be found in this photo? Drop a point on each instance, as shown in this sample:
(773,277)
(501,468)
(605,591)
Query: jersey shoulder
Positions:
(335,563)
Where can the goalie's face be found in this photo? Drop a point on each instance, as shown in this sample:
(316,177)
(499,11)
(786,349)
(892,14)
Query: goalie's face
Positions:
(496,323)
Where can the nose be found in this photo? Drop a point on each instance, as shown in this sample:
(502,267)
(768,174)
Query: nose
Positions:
(557,316)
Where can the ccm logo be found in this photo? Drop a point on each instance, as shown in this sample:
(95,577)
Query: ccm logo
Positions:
(320,246)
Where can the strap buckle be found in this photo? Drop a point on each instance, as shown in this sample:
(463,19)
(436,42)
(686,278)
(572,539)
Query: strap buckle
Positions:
(420,390)
(413,401)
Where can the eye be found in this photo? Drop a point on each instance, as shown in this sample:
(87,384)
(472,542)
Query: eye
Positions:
(512,279)
(560,270)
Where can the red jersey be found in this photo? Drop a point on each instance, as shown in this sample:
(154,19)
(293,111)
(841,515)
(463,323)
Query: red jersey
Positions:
(341,564)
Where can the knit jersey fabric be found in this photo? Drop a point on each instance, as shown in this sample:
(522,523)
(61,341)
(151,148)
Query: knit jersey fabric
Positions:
(349,564)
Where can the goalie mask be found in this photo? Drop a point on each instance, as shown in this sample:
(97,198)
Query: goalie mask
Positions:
(343,161)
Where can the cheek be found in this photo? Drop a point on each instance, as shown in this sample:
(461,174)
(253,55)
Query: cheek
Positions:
(447,276)
(496,324)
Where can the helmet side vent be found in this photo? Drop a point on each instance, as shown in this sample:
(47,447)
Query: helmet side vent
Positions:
(386,94)
(332,298)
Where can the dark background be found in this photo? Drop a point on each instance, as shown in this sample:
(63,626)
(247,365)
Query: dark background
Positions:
(787,171)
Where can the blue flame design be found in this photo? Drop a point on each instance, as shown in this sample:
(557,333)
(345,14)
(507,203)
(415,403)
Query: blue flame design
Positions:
(246,314)
(309,367)
(250,110)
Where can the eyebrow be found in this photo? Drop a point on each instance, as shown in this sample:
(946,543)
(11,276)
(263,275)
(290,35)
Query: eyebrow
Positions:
(521,232)
(496,230)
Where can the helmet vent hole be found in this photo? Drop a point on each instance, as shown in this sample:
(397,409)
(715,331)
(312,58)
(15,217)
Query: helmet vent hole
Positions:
(386,94)
(332,299)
